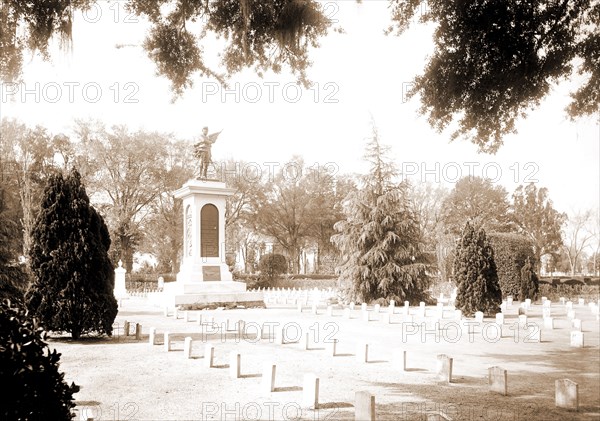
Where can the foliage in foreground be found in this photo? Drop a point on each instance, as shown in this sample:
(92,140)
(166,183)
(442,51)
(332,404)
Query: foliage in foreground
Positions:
(73,283)
(33,387)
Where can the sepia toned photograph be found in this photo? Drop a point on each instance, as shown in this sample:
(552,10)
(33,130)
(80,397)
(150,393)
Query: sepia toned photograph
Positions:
(309,210)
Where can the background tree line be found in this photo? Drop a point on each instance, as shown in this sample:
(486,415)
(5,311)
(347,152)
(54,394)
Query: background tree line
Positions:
(131,177)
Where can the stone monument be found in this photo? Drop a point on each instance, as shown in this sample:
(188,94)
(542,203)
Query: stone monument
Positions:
(204,276)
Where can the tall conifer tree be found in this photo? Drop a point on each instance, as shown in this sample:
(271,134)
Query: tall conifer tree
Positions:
(379,238)
(475,273)
(73,284)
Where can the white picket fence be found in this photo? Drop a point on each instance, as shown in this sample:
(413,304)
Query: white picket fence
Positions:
(294,296)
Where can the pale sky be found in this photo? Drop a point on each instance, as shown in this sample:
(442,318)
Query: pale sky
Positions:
(358,75)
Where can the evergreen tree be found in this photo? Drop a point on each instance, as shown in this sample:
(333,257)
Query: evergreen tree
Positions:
(529,282)
(475,273)
(379,238)
(73,284)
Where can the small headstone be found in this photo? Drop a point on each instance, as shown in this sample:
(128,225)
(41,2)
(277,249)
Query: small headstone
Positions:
(548,323)
(352,305)
(209,355)
(500,318)
(306,341)
(364,406)
(562,300)
(152,336)
(577,339)
(347,313)
(509,301)
(581,301)
(385,318)
(229,327)
(310,391)
(406,310)
(241,328)
(576,324)
(527,303)
(566,394)
(400,360)
(571,314)
(546,312)
(497,379)
(198,318)
(569,305)
(362,353)
(440,311)
(166,311)
(544,299)
(187,347)
(479,317)
(363,307)
(547,303)
(235,361)
(522,320)
(175,313)
(366,316)
(186,316)
(167,342)
(138,331)
(280,336)
(444,368)
(300,306)
(503,306)
(377,308)
(331,347)
(314,309)
(421,309)
(126,328)
(268,378)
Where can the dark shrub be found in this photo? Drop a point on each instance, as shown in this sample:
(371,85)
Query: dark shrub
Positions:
(270,267)
(511,252)
(33,388)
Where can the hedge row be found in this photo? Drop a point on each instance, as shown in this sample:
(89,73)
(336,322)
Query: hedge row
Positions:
(511,252)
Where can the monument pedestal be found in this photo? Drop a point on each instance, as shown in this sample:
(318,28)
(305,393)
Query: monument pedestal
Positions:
(204,277)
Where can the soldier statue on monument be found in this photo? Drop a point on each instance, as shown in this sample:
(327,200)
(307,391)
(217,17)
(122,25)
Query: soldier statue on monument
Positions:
(202,151)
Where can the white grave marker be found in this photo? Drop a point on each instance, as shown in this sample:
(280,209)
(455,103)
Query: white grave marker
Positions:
(310,391)
(497,380)
(364,406)
(566,394)
(577,339)
(444,368)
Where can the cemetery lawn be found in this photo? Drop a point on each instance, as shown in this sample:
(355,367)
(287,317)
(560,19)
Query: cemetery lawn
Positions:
(128,379)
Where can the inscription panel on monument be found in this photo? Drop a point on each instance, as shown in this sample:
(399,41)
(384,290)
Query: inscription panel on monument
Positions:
(211,273)
(209,231)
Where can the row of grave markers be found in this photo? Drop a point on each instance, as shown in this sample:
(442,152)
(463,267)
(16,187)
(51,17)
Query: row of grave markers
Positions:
(577,337)
(566,393)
